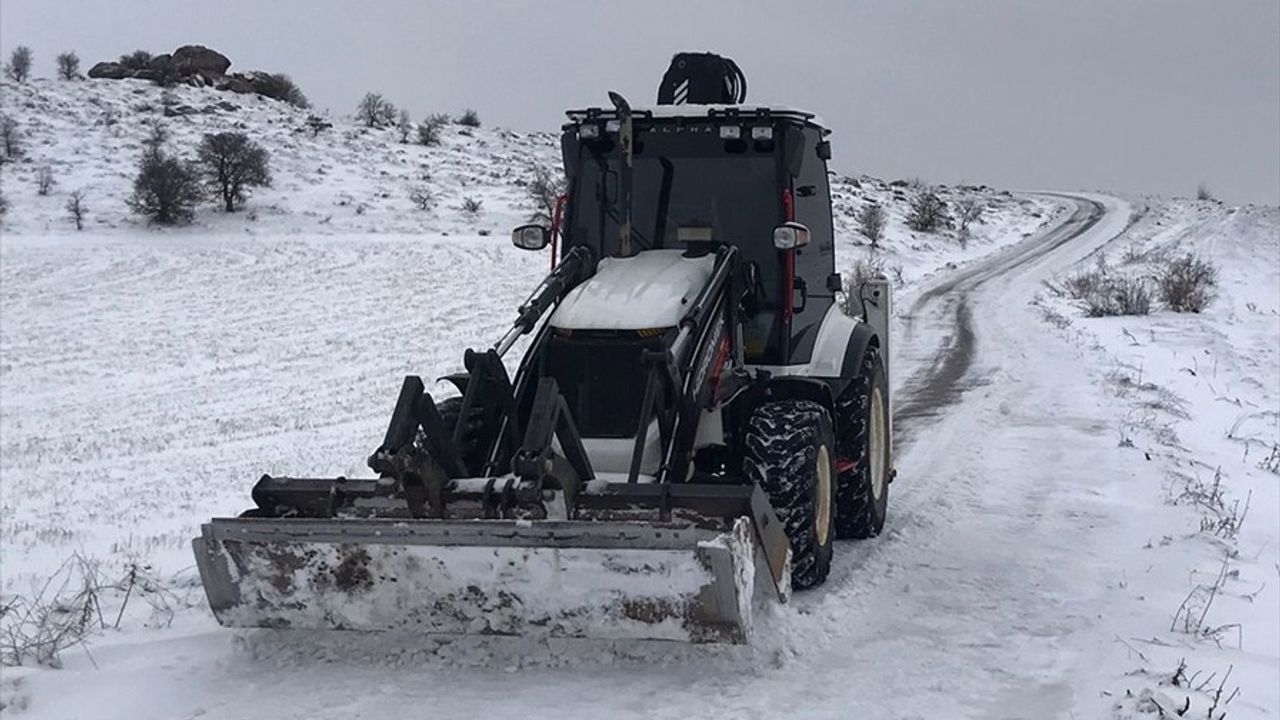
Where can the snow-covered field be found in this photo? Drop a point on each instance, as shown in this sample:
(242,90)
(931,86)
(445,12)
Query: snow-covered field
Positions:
(1040,541)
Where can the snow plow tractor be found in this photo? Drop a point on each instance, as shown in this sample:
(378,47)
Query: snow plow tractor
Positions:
(693,424)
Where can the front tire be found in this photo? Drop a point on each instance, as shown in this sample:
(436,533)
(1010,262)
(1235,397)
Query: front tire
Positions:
(862,494)
(789,451)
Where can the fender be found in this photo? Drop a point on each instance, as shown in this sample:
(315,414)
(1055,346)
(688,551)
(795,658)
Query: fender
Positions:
(837,352)
(860,339)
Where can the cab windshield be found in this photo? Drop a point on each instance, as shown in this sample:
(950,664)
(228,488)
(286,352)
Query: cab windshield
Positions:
(675,183)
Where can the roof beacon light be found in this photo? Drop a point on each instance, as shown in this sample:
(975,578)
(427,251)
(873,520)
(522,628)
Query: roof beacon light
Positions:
(730,132)
(612,126)
(762,132)
(588,131)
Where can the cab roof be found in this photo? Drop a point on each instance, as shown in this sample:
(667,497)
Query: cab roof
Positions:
(714,113)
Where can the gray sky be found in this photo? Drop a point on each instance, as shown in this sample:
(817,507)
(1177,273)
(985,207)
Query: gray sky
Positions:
(1129,95)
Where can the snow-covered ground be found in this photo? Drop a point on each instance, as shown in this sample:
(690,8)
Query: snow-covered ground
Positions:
(1033,561)
(1195,410)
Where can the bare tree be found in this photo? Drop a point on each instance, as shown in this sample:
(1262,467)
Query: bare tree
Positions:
(470,118)
(44,180)
(375,111)
(404,126)
(545,190)
(76,208)
(1202,192)
(165,190)
(68,66)
(969,210)
(231,163)
(19,67)
(871,222)
(317,124)
(928,212)
(429,129)
(10,138)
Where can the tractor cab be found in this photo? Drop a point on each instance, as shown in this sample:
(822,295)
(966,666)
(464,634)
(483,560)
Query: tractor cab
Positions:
(703,176)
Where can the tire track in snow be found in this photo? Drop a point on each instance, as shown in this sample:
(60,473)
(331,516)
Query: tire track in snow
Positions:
(926,394)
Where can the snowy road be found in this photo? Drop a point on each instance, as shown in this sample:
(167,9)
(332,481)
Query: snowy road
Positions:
(986,597)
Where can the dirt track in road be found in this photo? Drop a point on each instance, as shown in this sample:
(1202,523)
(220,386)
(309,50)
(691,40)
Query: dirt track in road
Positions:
(944,380)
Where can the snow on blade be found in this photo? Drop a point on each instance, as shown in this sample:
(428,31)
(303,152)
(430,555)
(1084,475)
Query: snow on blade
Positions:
(483,578)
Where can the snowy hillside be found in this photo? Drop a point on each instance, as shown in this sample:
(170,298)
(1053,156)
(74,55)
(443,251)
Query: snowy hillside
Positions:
(351,179)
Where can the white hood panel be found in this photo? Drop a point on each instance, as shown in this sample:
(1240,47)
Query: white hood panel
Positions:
(651,289)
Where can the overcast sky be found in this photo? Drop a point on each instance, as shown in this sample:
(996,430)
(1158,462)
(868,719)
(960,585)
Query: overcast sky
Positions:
(1128,95)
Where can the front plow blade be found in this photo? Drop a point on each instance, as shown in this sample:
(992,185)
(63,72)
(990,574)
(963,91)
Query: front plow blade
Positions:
(665,581)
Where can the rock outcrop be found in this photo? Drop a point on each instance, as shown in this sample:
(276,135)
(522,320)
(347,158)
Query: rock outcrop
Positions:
(199,66)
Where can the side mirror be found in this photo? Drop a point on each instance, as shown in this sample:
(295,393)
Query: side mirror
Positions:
(530,237)
(790,236)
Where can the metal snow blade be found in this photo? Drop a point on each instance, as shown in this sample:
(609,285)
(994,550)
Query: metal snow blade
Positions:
(578,579)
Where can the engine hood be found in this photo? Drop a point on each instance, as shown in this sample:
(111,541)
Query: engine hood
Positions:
(651,289)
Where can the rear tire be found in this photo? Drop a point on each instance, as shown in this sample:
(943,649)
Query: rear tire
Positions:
(862,493)
(789,451)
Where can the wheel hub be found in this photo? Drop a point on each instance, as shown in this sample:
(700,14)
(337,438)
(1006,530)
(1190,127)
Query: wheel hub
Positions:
(876,445)
(823,520)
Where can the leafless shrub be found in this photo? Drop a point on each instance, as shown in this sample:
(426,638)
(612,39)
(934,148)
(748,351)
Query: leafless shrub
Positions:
(471,206)
(136,60)
(404,126)
(871,221)
(969,210)
(66,610)
(1188,284)
(62,613)
(1084,283)
(928,212)
(76,208)
(231,163)
(1227,523)
(1202,192)
(1119,296)
(68,66)
(1271,463)
(165,190)
(157,135)
(1190,616)
(10,138)
(281,87)
(469,118)
(18,68)
(44,180)
(1054,318)
(421,197)
(4,205)
(317,124)
(545,190)
(429,129)
(862,271)
(375,111)
(168,97)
